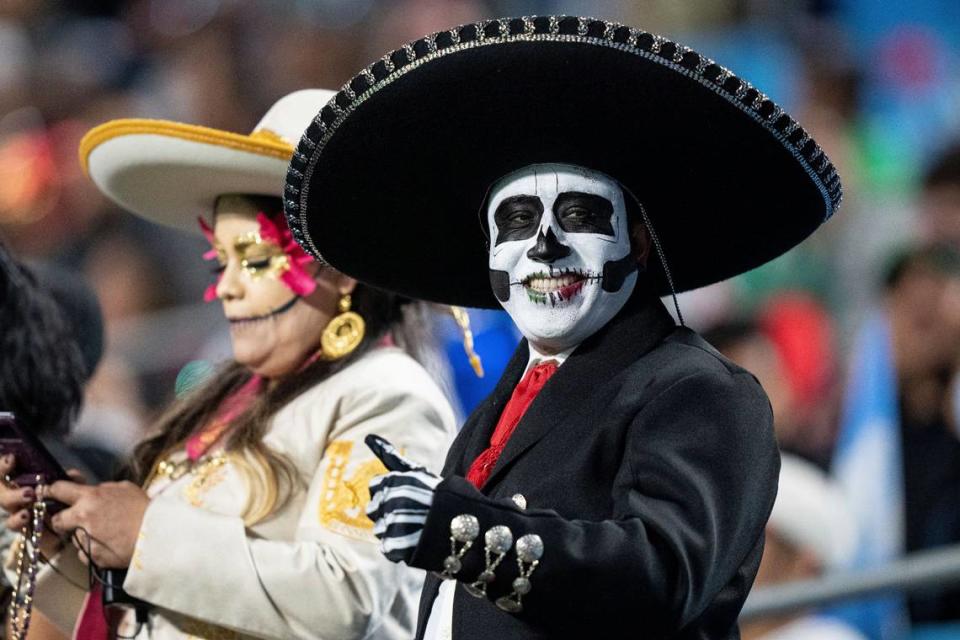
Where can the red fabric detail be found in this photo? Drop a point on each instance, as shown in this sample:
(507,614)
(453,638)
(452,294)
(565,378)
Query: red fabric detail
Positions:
(803,335)
(92,623)
(210,293)
(523,395)
(274,228)
(200,442)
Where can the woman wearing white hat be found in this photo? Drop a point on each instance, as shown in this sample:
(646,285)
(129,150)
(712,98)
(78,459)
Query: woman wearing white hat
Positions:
(251,520)
(811,532)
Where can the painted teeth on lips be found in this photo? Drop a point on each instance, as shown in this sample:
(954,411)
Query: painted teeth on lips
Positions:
(552,283)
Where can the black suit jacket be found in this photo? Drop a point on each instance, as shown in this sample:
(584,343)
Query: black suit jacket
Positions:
(649,468)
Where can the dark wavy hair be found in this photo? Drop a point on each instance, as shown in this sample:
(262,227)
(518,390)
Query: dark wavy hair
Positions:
(42,370)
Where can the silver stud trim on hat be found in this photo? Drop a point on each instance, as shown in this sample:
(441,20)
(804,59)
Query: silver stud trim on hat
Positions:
(388,63)
(679,52)
(582,27)
(742,89)
(312,146)
(658,42)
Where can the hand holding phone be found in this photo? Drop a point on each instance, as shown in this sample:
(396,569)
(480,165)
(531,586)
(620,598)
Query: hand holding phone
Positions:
(32,463)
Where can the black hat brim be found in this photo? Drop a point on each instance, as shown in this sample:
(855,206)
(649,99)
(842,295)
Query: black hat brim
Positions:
(389,183)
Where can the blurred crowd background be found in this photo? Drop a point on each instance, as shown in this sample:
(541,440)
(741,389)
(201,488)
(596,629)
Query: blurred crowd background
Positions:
(855,335)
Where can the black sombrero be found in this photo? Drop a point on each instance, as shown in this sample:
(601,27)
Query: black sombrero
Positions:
(388,183)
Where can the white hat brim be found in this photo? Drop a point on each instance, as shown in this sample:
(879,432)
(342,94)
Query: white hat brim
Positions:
(172,173)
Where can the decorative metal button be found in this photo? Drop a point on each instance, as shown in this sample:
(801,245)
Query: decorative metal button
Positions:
(498,541)
(519,500)
(452,564)
(464,529)
(522,585)
(529,550)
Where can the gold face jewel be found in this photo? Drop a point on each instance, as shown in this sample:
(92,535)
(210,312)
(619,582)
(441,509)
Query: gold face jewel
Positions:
(260,258)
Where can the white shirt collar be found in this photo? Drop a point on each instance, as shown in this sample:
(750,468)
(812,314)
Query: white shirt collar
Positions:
(536,357)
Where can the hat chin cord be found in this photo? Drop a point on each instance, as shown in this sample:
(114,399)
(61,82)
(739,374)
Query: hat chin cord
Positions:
(659,249)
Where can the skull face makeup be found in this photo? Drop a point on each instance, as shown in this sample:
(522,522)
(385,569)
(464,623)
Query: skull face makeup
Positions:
(560,258)
(273,326)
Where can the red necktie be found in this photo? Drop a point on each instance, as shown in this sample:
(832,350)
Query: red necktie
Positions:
(522,396)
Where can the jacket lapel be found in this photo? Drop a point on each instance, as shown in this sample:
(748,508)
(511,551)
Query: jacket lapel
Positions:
(474,437)
(642,324)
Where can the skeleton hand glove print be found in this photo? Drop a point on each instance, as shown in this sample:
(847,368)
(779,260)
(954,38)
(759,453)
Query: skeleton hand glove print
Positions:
(399,501)
(561,263)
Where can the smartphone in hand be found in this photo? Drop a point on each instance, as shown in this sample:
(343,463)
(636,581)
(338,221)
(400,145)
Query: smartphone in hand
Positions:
(35,464)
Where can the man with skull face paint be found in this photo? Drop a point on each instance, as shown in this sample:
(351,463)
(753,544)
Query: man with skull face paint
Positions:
(561,263)
(619,477)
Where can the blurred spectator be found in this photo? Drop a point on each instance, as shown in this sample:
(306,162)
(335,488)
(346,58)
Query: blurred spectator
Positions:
(51,342)
(940,200)
(897,457)
(42,370)
(743,342)
(810,532)
(790,349)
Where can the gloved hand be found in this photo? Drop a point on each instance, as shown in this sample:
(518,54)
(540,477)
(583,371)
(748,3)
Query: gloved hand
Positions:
(399,501)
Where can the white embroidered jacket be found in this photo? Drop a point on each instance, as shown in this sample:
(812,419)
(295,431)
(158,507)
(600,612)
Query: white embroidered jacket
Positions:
(312,570)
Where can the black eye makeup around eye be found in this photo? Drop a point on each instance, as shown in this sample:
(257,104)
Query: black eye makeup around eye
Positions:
(578,212)
(517,218)
(257,264)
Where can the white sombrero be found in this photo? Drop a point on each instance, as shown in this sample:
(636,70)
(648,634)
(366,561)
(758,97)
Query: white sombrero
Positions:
(170,172)
(811,513)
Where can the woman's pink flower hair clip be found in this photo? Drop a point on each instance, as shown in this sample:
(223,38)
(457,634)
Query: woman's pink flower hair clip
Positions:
(272,229)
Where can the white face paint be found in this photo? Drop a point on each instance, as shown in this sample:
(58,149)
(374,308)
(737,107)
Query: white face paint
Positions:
(560,258)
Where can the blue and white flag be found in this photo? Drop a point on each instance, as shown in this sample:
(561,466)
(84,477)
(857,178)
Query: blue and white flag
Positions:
(868,466)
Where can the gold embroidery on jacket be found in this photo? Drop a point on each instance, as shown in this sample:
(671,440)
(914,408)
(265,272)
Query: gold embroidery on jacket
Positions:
(206,475)
(343,499)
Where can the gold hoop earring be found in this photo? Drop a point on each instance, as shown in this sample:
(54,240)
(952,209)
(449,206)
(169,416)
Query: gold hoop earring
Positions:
(343,333)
